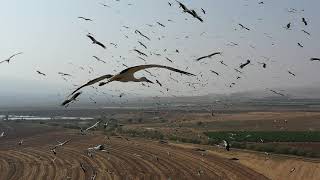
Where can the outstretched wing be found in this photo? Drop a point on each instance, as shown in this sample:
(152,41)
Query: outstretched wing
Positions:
(100,44)
(134,69)
(93,81)
(15,55)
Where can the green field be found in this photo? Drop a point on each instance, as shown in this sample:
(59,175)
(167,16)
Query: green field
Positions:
(266,136)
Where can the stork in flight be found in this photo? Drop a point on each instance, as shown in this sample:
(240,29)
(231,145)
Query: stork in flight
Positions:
(41,73)
(245,64)
(86,19)
(190,11)
(127,75)
(98,79)
(98,59)
(243,27)
(9,59)
(94,41)
(60,144)
(93,126)
(314,59)
(92,150)
(209,56)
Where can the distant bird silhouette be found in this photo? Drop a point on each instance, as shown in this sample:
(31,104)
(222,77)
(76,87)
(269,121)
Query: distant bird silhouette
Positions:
(61,144)
(223,63)
(169,60)
(73,98)
(275,92)
(86,19)
(137,31)
(64,74)
(264,65)
(314,59)
(169,4)
(98,59)
(245,64)
(288,26)
(304,21)
(214,72)
(142,45)
(291,73)
(104,5)
(299,44)
(140,53)
(94,41)
(9,59)
(161,24)
(208,56)
(204,12)
(159,83)
(127,75)
(243,27)
(191,12)
(306,32)
(43,74)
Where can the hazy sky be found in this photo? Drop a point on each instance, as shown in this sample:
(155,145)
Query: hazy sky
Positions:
(54,40)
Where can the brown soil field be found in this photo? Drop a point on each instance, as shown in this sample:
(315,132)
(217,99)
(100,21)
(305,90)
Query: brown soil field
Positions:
(133,159)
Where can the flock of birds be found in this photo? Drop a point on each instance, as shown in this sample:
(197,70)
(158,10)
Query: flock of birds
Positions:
(127,75)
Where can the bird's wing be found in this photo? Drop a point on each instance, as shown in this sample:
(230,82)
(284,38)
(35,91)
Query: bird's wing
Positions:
(134,69)
(201,58)
(215,53)
(15,55)
(100,44)
(93,81)
(91,37)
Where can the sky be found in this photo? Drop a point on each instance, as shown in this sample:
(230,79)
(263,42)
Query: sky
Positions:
(54,40)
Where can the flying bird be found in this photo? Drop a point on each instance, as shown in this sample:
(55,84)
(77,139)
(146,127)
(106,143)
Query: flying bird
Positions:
(64,74)
(291,73)
(243,27)
(98,59)
(9,59)
(73,98)
(142,45)
(226,145)
(288,26)
(93,126)
(169,60)
(306,32)
(275,92)
(204,12)
(299,44)
(137,31)
(140,53)
(169,4)
(264,65)
(61,144)
(127,75)
(304,21)
(245,64)
(314,59)
(86,19)
(161,24)
(2,134)
(94,41)
(215,72)
(159,83)
(43,74)
(93,81)
(191,12)
(223,63)
(208,56)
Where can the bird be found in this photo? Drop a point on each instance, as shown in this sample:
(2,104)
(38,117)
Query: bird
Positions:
(127,75)
(238,71)
(243,27)
(2,134)
(94,41)
(98,59)
(20,142)
(137,31)
(275,92)
(226,145)
(86,19)
(245,64)
(264,65)
(43,74)
(304,21)
(93,126)
(214,72)
(64,74)
(140,53)
(288,25)
(142,45)
(169,59)
(9,59)
(191,12)
(299,44)
(91,82)
(306,32)
(61,144)
(208,56)
(104,5)
(291,73)
(314,59)
(204,12)
(223,63)
(169,4)
(73,98)
(161,24)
